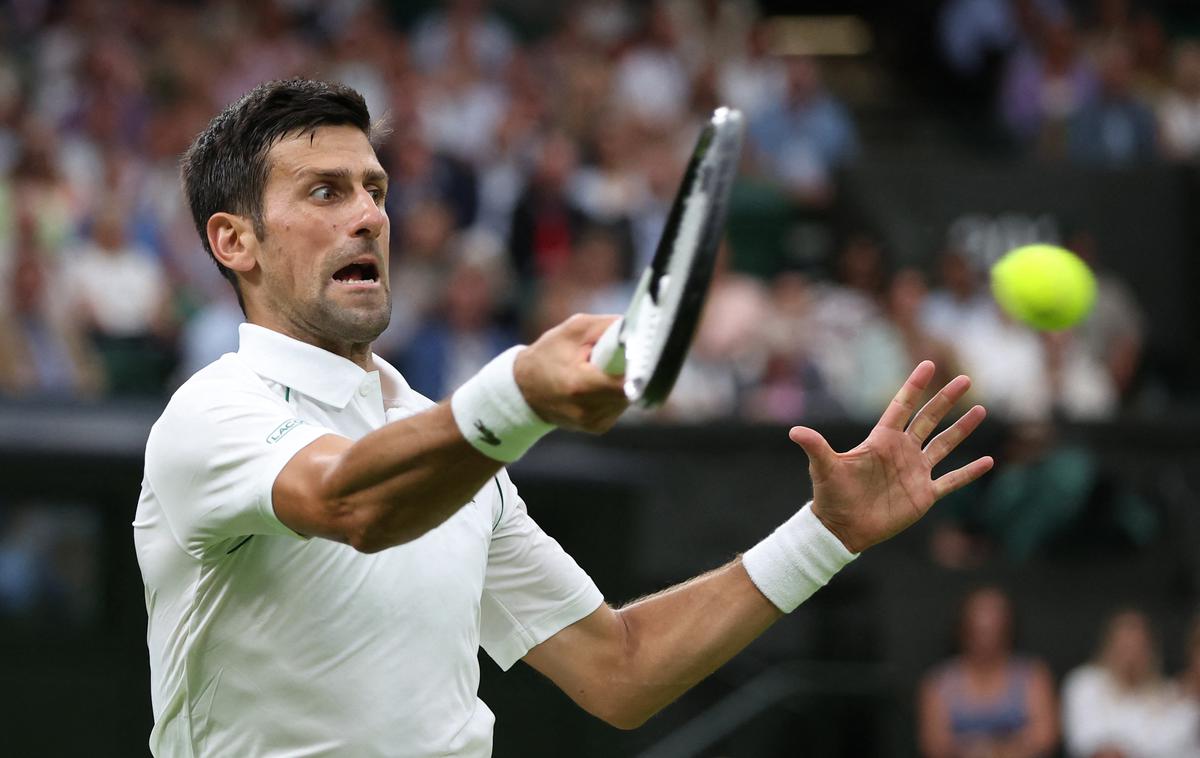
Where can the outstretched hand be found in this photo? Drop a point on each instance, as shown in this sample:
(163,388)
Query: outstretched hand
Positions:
(883,486)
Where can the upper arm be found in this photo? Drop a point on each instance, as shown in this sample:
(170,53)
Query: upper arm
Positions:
(212,460)
(933,720)
(533,590)
(1043,708)
(577,656)
(296,493)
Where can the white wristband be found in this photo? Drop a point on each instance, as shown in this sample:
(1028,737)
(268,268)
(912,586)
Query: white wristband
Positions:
(492,413)
(796,560)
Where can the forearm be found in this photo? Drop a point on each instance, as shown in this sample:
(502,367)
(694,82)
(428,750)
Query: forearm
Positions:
(680,636)
(624,666)
(402,480)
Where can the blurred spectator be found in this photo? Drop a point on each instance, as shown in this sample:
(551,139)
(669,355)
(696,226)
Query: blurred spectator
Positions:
(1007,365)
(755,80)
(609,187)
(729,350)
(1179,112)
(960,298)
(420,175)
(711,30)
(41,348)
(886,349)
(1115,129)
(1151,56)
(1114,332)
(651,83)
(988,702)
(462,28)
(662,165)
(1189,678)
(455,342)
(1120,706)
(37,187)
(804,139)
(843,310)
(599,267)
(418,267)
(121,296)
(211,332)
(975,35)
(1044,85)
(502,175)
(460,110)
(792,386)
(606,23)
(546,221)
(1080,385)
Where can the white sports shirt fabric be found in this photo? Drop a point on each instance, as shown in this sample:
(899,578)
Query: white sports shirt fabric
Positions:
(263,643)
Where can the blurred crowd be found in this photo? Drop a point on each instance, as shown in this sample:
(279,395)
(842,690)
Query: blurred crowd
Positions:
(1102,84)
(531,173)
(992,700)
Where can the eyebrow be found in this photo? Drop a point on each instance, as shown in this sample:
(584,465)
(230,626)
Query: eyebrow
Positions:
(343,174)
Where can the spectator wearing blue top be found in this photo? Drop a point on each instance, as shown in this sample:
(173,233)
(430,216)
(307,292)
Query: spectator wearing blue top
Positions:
(988,701)
(1116,129)
(803,140)
(453,345)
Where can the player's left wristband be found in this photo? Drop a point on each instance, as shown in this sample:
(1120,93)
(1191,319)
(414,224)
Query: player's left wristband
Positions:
(796,560)
(493,415)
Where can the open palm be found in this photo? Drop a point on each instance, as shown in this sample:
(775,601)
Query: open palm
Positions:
(878,489)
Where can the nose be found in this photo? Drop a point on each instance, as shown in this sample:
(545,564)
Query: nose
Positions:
(371,217)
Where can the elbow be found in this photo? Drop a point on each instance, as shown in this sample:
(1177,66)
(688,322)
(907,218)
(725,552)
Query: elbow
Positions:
(366,543)
(371,530)
(359,528)
(624,716)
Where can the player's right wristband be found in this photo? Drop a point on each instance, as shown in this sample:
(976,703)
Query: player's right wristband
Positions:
(796,560)
(492,413)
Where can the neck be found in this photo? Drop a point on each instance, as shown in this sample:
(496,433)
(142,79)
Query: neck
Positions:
(986,662)
(358,353)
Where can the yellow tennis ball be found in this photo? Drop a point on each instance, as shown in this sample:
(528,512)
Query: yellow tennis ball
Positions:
(1045,286)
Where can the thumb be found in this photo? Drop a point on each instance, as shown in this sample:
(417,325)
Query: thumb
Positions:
(820,454)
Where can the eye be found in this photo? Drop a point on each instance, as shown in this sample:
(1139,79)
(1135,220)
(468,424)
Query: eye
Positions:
(323,192)
(378,194)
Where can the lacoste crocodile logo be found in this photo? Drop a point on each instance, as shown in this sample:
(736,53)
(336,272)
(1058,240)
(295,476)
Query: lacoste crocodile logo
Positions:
(487,435)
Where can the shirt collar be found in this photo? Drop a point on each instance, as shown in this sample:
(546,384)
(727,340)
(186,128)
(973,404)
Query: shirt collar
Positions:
(307,369)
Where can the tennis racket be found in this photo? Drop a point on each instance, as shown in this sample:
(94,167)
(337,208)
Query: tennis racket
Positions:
(650,342)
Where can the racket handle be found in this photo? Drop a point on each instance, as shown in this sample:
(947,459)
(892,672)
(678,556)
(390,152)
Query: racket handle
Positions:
(608,353)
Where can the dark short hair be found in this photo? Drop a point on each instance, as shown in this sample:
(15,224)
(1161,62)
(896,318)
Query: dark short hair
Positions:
(225,169)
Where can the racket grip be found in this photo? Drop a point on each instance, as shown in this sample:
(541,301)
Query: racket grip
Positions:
(608,353)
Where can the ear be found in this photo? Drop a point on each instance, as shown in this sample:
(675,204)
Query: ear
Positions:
(233,241)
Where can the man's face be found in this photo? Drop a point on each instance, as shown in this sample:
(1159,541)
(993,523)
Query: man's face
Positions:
(323,260)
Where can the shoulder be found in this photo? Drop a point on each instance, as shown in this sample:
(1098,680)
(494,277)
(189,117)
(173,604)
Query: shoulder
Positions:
(941,674)
(220,382)
(1088,677)
(222,390)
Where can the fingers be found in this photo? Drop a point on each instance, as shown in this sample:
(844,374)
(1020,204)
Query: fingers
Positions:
(938,406)
(819,453)
(961,477)
(900,410)
(586,328)
(942,445)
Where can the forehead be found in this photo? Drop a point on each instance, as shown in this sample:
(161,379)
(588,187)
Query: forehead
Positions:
(325,148)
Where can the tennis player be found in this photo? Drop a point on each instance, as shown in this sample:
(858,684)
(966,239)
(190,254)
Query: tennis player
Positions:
(324,550)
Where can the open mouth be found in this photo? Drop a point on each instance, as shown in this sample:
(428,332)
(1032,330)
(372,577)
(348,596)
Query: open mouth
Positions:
(362,272)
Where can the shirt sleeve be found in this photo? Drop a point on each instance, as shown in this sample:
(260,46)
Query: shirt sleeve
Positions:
(532,588)
(212,459)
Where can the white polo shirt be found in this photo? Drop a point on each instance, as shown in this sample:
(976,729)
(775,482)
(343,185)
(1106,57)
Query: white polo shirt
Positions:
(263,643)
